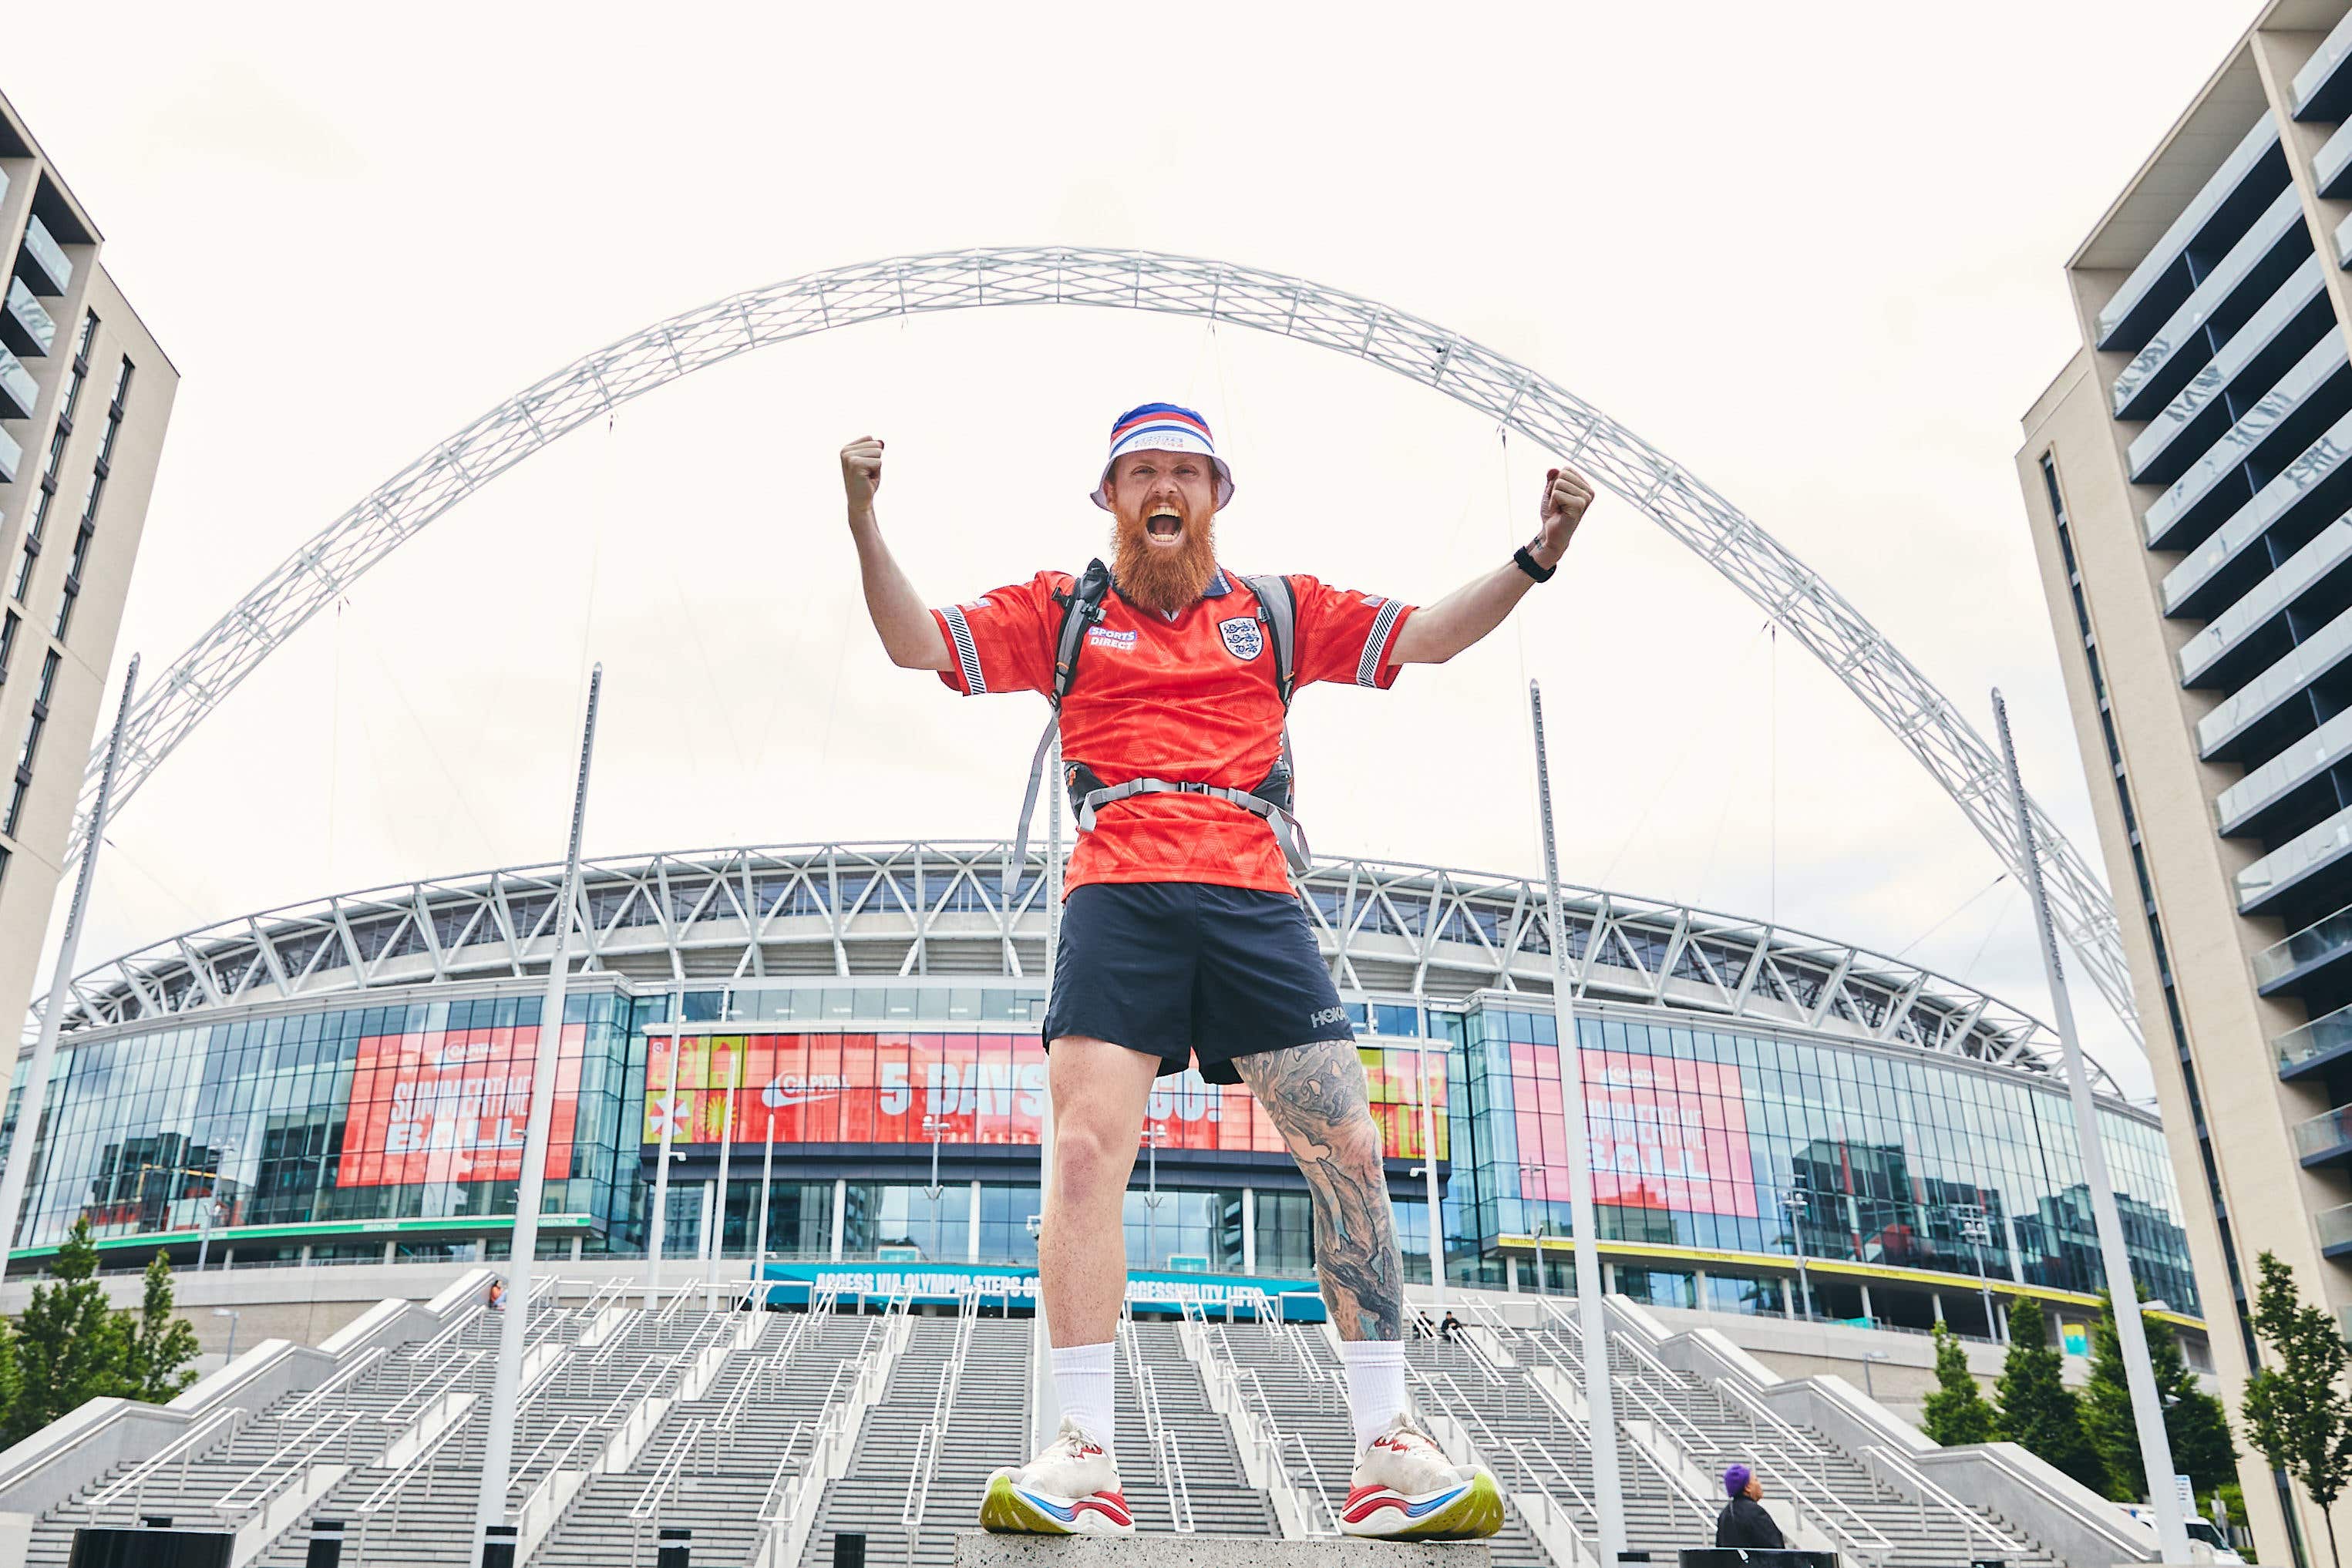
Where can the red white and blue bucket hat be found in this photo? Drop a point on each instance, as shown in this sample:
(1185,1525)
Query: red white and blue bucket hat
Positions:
(1162,428)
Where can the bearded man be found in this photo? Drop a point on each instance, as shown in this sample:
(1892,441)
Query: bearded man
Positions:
(1182,938)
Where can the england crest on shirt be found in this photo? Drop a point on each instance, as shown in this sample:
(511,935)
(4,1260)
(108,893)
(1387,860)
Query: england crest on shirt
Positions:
(1244,638)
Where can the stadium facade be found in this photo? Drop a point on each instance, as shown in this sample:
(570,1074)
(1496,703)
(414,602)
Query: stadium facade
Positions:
(1775,1117)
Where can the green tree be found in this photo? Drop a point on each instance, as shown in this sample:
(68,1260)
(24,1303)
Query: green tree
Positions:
(2038,1411)
(159,1344)
(70,1348)
(2297,1414)
(2194,1424)
(1957,1411)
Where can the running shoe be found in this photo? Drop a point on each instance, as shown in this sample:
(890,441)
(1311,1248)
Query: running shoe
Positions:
(1071,1488)
(1404,1489)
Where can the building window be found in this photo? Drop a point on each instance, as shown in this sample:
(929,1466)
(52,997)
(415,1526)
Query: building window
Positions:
(7,640)
(34,524)
(34,722)
(99,469)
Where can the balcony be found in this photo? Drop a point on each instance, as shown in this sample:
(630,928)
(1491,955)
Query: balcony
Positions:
(2314,1044)
(2246,805)
(2315,947)
(2253,172)
(2249,364)
(2326,1137)
(2335,1228)
(2283,516)
(19,392)
(41,262)
(2238,720)
(12,457)
(2314,584)
(24,325)
(2322,90)
(2313,392)
(2294,862)
(2225,300)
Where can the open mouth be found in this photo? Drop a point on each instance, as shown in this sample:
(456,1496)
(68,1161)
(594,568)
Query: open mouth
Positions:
(1165,522)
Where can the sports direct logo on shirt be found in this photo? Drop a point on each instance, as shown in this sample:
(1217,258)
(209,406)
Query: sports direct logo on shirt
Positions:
(1191,699)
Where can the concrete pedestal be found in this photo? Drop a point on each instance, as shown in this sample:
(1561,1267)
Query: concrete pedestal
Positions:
(977,1549)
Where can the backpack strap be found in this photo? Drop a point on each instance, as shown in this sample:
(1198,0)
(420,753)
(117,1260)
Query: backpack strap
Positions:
(1081,610)
(1277,606)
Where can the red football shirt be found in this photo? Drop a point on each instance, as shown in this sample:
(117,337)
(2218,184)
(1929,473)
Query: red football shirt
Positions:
(1190,698)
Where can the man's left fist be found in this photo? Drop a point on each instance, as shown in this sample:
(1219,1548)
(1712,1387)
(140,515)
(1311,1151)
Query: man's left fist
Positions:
(1566,495)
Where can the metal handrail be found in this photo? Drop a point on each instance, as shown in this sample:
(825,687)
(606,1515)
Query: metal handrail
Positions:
(394,1489)
(521,1513)
(910,1511)
(1675,1488)
(665,1478)
(181,1451)
(1314,1478)
(433,1347)
(1180,1488)
(434,1386)
(360,1364)
(303,1448)
(1911,1475)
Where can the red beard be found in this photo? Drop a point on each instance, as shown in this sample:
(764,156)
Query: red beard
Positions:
(1167,581)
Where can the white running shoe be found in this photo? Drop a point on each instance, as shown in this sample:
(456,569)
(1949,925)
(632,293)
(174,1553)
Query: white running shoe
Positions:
(1071,1488)
(1404,1489)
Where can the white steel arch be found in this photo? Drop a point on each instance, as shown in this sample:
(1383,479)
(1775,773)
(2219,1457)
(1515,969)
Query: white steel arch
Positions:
(1890,686)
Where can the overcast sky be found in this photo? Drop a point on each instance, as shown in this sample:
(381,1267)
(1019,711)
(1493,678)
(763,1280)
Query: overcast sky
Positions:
(1813,252)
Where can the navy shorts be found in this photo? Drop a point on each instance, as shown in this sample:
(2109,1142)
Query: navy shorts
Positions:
(1181,969)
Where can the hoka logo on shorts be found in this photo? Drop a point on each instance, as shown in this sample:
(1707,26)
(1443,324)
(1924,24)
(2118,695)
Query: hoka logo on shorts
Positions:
(1110,636)
(1331,1015)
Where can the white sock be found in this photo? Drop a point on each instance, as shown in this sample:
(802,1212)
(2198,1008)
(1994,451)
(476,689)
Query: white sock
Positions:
(1083,1385)
(1376,1394)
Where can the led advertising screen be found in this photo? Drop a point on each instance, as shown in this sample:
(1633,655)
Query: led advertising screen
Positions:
(452,1106)
(1667,1132)
(979,1089)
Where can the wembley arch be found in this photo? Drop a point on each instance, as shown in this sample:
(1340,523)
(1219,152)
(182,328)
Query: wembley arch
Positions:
(1921,719)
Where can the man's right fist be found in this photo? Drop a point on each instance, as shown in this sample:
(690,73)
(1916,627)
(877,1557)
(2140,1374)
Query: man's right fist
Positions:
(861,471)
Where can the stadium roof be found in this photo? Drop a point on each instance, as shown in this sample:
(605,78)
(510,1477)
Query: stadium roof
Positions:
(900,910)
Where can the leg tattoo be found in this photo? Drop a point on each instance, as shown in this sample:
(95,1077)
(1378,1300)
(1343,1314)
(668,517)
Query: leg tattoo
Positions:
(1314,1093)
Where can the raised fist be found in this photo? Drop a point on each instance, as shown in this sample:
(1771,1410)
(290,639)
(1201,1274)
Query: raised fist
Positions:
(861,471)
(1566,495)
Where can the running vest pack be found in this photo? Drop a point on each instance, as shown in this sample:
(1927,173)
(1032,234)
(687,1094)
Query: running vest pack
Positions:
(1277,611)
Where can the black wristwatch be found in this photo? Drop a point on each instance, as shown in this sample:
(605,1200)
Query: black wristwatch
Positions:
(1526,564)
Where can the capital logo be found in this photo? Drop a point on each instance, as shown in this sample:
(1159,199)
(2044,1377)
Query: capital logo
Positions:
(791,1089)
(1244,638)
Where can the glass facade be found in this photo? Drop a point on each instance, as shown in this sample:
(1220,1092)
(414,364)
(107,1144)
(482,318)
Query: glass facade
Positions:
(1744,1148)
(1745,1143)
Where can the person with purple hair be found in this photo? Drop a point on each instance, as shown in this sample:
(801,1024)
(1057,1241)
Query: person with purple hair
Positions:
(1743,1521)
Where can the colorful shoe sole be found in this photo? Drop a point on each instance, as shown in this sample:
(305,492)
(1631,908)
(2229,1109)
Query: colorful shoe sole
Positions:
(1469,1513)
(1007,1509)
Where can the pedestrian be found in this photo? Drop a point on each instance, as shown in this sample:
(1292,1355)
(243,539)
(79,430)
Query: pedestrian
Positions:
(1744,1522)
(498,1295)
(1451,1327)
(1183,937)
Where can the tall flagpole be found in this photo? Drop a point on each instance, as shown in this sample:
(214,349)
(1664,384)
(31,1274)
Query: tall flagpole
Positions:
(53,1015)
(506,1391)
(1609,1497)
(2147,1410)
(1044,1404)
(657,1222)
